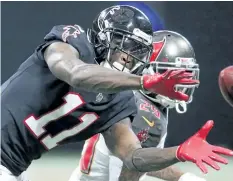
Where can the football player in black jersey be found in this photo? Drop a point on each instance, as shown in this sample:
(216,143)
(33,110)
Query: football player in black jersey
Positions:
(61,95)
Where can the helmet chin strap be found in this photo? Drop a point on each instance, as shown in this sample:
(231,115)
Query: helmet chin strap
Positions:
(168,103)
(181,104)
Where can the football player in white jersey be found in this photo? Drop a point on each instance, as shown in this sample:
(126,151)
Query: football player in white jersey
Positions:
(171,51)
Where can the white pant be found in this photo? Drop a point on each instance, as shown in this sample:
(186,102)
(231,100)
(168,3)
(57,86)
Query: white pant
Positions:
(6,175)
(97,163)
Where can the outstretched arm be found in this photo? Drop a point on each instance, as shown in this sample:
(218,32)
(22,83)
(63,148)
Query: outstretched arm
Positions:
(63,61)
(121,140)
(170,174)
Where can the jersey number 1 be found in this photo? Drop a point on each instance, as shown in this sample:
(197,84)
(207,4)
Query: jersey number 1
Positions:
(72,102)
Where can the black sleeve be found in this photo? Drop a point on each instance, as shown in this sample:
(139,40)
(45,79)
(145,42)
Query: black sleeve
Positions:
(73,35)
(123,106)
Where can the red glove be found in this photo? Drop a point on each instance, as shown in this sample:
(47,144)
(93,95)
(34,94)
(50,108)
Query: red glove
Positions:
(197,150)
(164,83)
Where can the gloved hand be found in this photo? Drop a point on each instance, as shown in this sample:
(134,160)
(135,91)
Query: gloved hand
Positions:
(164,84)
(197,150)
(190,177)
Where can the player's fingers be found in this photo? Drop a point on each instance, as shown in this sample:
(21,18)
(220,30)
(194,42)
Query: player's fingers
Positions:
(167,73)
(180,96)
(187,74)
(202,166)
(183,75)
(204,131)
(221,150)
(187,81)
(176,73)
(211,163)
(218,158)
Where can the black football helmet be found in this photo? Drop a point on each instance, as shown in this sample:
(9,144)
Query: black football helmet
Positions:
(171,50)
(121,29)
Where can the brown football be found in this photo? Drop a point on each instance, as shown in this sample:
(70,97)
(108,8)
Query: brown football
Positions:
(225,81)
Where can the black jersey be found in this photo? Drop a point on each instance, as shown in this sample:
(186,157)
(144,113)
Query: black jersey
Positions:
(40,111)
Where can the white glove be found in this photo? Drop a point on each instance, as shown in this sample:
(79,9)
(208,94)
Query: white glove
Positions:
(190,177)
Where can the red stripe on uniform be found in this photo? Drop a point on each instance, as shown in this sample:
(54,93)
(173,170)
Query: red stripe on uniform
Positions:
(88,155)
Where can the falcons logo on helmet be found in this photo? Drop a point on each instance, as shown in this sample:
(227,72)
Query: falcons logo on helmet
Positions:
(70,30)
(143,135)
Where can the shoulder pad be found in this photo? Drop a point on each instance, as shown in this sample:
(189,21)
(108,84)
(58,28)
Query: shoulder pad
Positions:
(75,36)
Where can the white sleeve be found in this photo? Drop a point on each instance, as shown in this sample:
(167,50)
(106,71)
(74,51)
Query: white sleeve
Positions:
(94,162)
(115,166)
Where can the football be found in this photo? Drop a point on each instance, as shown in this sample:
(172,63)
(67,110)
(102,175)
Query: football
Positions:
(225,81)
